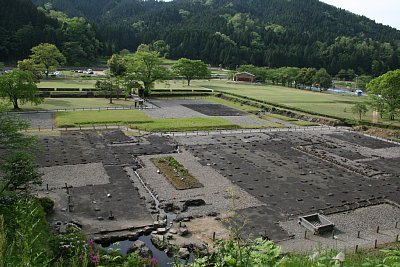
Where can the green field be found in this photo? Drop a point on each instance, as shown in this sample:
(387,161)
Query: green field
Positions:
(138,120)
(67,83)
(323,103)
(186,124)
(232,104)
(70,103)
(307,101)
(103,117)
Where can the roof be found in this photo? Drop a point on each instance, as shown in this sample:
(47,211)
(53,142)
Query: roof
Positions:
(245,73)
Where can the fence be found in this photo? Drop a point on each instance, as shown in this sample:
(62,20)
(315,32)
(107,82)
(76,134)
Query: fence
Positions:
(148,105)
(200,132)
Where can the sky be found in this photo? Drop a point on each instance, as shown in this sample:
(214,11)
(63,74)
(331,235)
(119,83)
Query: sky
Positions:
(386,12)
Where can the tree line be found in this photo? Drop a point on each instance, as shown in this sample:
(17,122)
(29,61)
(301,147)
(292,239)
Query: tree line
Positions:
(274,33)
(290,76)
(23,26)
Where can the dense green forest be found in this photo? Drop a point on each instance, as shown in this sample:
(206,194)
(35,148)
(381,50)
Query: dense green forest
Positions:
(23,26)
(275,33)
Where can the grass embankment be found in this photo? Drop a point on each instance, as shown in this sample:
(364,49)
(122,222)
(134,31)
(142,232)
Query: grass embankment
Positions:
(289,120)
(137,119)
(313,102)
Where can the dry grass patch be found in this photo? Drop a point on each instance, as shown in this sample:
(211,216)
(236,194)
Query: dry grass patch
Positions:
(176,173)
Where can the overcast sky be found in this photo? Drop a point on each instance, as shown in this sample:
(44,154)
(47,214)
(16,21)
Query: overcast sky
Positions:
(386,12)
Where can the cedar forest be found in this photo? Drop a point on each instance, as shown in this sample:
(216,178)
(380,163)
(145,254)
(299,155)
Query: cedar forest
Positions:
(273,33)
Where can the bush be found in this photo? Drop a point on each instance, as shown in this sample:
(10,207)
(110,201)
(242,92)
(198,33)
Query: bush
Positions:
(47,204)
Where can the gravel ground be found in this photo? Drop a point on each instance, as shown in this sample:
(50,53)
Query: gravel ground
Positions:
(176,102)
(173,112)
(42,120)
(247,121)
(347,225)
(214,192)
(74,175)
(174,109)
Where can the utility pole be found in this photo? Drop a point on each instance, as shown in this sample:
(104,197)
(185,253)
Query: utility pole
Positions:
(355,85)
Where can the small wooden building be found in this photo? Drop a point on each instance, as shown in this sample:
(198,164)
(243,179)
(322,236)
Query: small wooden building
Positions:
(244,77)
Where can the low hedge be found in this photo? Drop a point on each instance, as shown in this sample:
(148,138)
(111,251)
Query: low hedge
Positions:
(67,89)
(68,94)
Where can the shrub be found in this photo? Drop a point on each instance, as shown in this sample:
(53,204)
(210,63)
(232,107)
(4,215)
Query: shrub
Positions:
(47,204)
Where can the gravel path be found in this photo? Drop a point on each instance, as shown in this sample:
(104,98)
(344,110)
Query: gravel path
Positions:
(42,120)
(347,225)
(214,192)
(75,175)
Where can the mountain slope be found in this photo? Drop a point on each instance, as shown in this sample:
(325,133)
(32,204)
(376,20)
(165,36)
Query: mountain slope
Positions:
(261,32)
(23,26)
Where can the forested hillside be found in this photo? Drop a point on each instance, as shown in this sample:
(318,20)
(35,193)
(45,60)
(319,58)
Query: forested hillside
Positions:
(232,32)
(23,25)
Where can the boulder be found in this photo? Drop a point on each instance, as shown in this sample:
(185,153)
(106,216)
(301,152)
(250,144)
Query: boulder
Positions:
(158,241)
(141,248)
(183,231)
(173,231)
(183,253)
(161,230)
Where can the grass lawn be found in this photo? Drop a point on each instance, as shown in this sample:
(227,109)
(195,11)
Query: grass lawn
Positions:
(67,83)
(232,104)
(137,119)
(322,103)
(103,117)
(176,84)
(281,117)
(186,124)
(62,103)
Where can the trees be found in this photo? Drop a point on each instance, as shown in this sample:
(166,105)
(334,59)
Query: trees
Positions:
(191,69)
(117,65)
(19,85)
(129,84)
(46,57)
(18,167)
(11,136)
(360,109)
(385,92)
(161,47)
(108,87)
(20,170)
(147,67)
(322,79)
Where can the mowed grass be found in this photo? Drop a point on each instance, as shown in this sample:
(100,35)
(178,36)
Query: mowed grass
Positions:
(281,117)
(67,83)
(186,124)
(70,103)
(139,120)
(103,117)
(323,103)
(235,105)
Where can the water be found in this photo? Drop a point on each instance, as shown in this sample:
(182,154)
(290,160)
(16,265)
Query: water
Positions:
(340,91)
(122,247)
